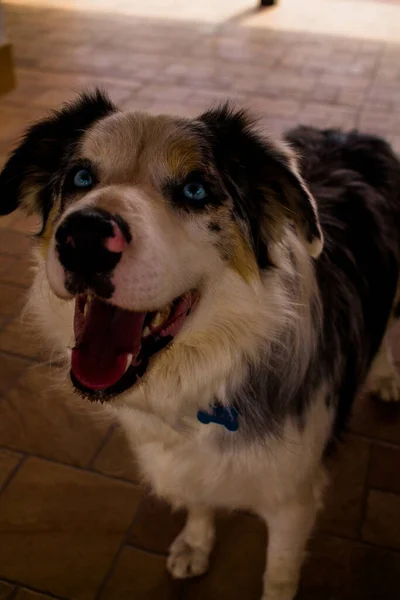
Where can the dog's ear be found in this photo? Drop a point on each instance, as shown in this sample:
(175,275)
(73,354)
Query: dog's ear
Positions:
(27,177)
(262,178)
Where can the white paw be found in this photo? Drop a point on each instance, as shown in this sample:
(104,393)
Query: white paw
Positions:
(280,591)
(387,388)
(185,560)
(278,596)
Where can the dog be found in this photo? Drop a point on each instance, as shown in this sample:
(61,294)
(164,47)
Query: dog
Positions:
(223,295)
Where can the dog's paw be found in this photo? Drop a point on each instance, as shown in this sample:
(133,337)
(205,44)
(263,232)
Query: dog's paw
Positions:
(280,591)
(387,388)
(279,596)
(185,560)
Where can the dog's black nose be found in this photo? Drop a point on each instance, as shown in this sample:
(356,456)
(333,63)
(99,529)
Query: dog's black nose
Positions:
(91,241)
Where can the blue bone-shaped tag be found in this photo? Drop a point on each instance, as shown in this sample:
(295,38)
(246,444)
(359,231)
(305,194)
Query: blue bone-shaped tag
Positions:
(221,415)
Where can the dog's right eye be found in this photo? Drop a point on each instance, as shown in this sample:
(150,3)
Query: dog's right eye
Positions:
(83,179)
(195,191)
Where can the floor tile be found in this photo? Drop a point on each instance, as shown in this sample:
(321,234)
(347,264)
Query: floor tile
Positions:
(140,575)
(12,242)
(18,337)
(384,468)
(344,497)
(12,124)
(116,458)
(17,271)
(373,418)
(40,418)
(5,262)
(8,463)
(24,594)
(5,220)
(338,569)
(26,224)
(156,525)
(237,562)
(72,527)
(11,368)
(5,590)
(382,519)
(12,299)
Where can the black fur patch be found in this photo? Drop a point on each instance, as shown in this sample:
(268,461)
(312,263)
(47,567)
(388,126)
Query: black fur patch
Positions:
(43,150)
(356,181)
(214,227)
(99,283)
(249,167)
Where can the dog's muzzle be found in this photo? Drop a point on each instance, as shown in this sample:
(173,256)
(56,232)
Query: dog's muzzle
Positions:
(89,244)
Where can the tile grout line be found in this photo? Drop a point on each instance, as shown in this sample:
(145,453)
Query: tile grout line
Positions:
(12,473)
(16,354)
(28,454)
(114,561)
(376,440)
(367,91)
(365,494)
(14,593)
(377,488)
(145,550)
(103,443)
(360,542)
(31,588)
(19,376)
(8,320)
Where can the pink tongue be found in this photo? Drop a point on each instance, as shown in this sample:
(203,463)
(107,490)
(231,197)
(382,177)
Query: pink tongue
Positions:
(104,338)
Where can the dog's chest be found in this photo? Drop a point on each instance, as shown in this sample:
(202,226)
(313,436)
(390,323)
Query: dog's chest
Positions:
(198,468)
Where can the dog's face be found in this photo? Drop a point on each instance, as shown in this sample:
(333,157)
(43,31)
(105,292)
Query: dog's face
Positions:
(145,219)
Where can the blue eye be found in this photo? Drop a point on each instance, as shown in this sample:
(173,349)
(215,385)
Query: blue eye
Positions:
(194,191)
(83,179)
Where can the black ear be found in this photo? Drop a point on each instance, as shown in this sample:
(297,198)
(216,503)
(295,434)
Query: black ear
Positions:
(27,176)
(262,179)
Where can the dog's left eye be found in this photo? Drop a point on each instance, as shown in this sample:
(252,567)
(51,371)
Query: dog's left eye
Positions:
(83,179)
(195,191)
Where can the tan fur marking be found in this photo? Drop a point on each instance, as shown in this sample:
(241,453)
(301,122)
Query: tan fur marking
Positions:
(242,259)
(136,148)
(182,157)
(48,232)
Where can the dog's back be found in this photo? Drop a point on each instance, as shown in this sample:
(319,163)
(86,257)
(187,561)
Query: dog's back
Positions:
(355,179)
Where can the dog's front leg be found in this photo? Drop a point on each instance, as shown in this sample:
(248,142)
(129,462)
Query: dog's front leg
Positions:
(190,551)
(289,528)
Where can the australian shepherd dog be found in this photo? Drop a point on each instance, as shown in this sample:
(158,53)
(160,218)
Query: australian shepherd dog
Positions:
(223,295)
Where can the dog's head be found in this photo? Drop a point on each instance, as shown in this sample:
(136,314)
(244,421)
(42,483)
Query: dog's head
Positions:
(149,224)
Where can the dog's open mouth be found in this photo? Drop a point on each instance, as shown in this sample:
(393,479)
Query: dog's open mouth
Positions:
(113,346)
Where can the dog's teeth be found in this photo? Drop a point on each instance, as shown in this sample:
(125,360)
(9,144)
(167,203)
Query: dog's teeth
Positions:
(128,361)
(89,298)
(146,331)
(161,316)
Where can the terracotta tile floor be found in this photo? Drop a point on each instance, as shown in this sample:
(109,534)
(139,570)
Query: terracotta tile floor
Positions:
(74,523)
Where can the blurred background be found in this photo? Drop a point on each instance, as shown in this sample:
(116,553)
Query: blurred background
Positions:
(75,524)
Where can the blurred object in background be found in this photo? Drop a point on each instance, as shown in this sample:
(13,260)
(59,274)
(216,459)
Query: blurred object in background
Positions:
(7,75)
